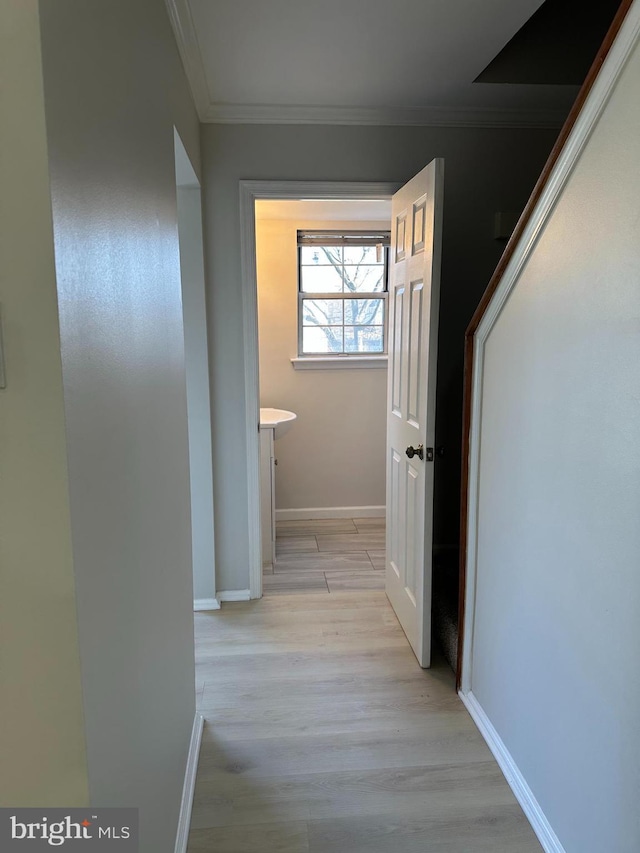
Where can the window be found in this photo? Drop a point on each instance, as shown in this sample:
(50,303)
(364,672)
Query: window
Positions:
(342,296)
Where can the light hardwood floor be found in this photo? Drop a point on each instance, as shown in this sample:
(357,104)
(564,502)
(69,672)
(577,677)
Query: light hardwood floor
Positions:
(327,555)
(323,735)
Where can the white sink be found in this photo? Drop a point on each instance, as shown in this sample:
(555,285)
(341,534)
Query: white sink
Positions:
(279,420)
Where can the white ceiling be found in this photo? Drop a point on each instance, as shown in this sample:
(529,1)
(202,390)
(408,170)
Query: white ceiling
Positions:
(357,62)
(325,210)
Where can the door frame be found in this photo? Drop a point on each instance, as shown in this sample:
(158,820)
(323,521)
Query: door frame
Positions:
(250,192)
(198,386)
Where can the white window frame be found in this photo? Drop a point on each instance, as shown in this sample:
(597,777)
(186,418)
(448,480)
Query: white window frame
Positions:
(306,361)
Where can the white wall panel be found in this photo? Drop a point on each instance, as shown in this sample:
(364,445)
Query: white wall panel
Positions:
(557,599)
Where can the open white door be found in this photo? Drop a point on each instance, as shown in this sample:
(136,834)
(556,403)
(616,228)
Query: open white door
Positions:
(414,289)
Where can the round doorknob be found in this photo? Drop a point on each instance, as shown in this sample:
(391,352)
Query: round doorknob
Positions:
(415,451)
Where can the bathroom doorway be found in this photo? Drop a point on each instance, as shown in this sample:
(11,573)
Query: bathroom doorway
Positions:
(321,272)
(251,192)
(414,282)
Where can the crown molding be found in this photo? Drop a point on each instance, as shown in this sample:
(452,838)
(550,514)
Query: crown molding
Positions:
(213,113)
(189,49)
(416,116)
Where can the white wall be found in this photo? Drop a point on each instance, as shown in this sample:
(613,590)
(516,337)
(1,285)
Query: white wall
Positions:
(114,88)
(198,400)
(557,633)
(334,456)
(42,733)
(487,170)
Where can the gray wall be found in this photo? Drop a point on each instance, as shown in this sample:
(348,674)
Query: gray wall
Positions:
(555,659)
(114,88)
(486,170)
(42,732)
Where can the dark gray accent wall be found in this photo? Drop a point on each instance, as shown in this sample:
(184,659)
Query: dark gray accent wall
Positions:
(486,170)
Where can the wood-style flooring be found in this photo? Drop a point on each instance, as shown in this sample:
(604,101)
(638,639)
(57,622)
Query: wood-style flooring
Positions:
(323,735)
(327,555)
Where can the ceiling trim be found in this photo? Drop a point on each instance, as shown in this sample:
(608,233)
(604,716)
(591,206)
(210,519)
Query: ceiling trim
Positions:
(417,116)
(189,49)
(212,113)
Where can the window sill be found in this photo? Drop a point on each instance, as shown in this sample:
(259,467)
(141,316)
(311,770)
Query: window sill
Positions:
(340,362)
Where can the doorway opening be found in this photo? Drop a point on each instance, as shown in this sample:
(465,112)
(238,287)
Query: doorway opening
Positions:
(196,355)
(414,261)
(252,192)
(322,305)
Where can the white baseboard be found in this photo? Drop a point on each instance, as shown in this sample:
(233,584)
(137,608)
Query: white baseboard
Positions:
(330,512)
(523,793)
(184,818)
(234,595)
(206,604)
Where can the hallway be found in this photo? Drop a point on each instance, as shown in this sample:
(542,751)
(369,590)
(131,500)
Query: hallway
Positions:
(323,735)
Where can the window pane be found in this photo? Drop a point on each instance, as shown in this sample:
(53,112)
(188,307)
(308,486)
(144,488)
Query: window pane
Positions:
(322,312)
(362,255)
(320,280)
(363,312)
(363,338)
(319,339)
(364,279)
(320,255)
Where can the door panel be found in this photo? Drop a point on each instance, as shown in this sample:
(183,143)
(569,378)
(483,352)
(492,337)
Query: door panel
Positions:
(415,348)
(394,506)
(412,504)
(413,326)
(401,228)
(395,346)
